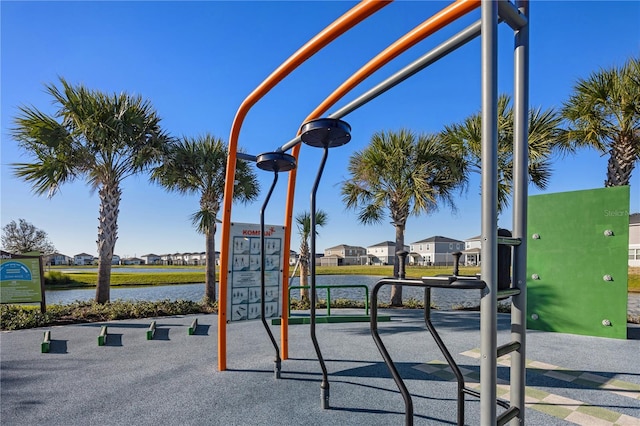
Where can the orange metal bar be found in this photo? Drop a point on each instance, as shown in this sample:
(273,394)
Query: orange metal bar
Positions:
(351,18)
(288,223)
(428,27)
(419,33)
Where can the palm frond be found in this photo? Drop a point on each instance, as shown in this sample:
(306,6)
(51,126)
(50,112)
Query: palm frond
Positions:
(197,165)
(399,174)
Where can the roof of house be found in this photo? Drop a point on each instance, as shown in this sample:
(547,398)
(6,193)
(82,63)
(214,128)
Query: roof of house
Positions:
(345,246)
(83,254)
(384,244)
(438,239)
(634,219)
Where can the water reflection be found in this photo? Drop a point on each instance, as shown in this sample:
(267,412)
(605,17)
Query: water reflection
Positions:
(194,292)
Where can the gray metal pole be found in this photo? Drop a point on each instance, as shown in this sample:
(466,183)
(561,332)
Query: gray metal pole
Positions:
(437,53)
(443,49)
(489,179)
(520,175)
(511,15)
(246,157)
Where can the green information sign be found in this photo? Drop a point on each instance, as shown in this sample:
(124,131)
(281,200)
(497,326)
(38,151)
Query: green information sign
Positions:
(21,278)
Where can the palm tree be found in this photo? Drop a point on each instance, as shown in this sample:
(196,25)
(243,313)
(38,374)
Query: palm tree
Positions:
(401,174)
(102,138)
(604,113)
(303,221)
(545,137)
(198,166)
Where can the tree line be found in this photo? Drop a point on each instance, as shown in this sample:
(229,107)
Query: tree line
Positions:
(105,138)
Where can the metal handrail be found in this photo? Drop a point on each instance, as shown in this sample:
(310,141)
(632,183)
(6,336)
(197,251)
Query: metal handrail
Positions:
(328,288)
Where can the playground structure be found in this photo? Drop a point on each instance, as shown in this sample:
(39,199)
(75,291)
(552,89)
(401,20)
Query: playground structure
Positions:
(315,131)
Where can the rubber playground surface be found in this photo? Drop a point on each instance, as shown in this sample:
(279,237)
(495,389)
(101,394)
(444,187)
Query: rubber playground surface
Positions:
(173,378)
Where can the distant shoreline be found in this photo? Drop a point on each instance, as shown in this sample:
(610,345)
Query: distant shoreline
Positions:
(86,278)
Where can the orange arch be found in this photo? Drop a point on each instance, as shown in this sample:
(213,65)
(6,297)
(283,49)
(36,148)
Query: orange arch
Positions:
(347,21)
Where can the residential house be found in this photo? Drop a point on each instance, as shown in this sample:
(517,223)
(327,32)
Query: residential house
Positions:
(471,252)
(58,259)
(634,239)
(190,258)
(193,259)
(178,259)
(151,259)
(436,250)
(115,259)
(383,253)
(344,255)
(166,259)
(183,259)
(132,261)
(83,259)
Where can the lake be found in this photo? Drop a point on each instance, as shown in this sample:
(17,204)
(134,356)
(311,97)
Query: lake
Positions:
(443,298)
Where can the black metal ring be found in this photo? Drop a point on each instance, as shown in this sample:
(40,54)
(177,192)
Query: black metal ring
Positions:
(325,132)
(276,162)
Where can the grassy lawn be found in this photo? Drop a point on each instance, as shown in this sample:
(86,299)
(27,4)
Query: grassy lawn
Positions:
(89,279)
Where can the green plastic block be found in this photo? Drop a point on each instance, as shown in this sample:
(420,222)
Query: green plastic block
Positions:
(151,331)
(102,338)
(194,327)
(46,342)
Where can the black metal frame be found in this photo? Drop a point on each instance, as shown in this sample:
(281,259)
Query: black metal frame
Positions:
(322,133)
(454,281)
(275,162)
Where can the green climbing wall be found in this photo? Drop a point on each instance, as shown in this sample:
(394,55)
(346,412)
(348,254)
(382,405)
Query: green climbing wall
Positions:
(577,262)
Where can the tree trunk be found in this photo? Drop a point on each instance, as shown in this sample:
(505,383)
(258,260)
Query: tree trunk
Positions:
(210,269)
(304,271)
(304,280)
(107,235)
(622,157)
(396,290)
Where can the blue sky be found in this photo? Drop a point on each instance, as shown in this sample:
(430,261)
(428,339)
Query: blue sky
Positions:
(197,61)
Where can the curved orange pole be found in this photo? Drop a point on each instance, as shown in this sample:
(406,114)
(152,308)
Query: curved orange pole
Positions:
(419,33)
(351,18)
(428,27)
